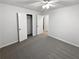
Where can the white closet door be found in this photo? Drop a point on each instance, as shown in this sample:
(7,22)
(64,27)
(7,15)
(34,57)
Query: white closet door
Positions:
(22,19)
(34,24)
(39,24)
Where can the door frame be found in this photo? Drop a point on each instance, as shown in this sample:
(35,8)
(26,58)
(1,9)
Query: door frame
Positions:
(17,27)
(31,24)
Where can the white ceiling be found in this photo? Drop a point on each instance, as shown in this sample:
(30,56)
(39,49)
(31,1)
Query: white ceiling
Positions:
(36,6)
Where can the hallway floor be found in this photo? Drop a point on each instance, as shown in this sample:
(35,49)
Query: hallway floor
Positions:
(40,47)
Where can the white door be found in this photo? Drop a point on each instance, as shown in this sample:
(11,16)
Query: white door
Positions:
(22,19)
(46,21)
(34,25)
(39,24)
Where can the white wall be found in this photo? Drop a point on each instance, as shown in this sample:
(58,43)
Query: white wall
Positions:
(8,23)
(64,24)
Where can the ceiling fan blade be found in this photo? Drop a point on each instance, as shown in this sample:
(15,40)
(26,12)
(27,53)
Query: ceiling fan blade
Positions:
(29,2)
(69,0)
(53,1)
(52,5)
(36,4)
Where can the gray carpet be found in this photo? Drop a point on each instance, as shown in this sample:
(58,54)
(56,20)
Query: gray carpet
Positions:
(40,47)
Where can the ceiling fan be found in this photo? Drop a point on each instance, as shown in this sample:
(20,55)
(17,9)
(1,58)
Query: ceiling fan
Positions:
(49,3)
(46,4)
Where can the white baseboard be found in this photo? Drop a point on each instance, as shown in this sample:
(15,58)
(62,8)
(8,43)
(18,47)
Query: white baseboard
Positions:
(8,44)
(63,40)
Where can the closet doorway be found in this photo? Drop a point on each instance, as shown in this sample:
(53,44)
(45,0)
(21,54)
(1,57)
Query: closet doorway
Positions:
(29,26)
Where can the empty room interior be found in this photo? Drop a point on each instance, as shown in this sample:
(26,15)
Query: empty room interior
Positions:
(39,29)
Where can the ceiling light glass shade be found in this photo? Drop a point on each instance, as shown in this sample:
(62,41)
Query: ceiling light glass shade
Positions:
(47,6)
(43,6)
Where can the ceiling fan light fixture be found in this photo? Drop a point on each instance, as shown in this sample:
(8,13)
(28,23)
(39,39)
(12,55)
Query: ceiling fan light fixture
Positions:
(43,6)
(47,6)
